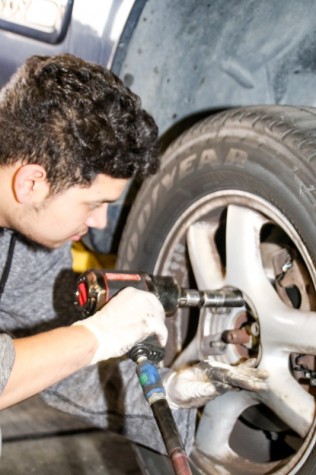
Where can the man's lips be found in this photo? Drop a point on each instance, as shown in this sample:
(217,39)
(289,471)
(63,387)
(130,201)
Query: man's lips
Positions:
(77,237)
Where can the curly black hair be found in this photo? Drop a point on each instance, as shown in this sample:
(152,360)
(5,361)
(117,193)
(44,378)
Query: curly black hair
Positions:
(77,120)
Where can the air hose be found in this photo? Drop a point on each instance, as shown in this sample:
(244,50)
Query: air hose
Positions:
(143,354)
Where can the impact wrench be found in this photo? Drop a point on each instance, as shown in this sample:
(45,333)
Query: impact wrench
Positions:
(95,288)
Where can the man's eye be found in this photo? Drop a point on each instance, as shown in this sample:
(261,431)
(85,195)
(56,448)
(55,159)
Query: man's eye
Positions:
(93,206)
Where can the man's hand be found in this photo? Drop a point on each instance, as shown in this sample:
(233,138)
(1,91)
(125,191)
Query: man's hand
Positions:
(193,386)
(128,318)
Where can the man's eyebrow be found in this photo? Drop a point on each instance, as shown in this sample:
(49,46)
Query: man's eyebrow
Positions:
(110,201)
(104,201)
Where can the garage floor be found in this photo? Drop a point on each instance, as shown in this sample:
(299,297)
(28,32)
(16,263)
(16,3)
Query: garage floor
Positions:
(40,440)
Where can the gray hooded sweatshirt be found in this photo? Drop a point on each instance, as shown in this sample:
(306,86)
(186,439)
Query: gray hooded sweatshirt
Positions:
(37,290)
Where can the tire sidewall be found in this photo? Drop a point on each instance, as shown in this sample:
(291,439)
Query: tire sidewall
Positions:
(205,166)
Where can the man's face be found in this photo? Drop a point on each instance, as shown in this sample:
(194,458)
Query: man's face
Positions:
(68,215)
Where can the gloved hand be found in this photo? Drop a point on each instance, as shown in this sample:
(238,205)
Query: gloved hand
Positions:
(128,318)
(193,386)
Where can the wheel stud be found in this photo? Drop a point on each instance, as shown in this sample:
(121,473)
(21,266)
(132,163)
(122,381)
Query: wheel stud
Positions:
(237,337)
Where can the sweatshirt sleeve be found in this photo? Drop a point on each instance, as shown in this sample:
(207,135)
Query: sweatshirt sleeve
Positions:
(7,357)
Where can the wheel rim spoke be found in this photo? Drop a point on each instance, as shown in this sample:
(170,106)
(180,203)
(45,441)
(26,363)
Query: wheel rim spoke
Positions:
(202,248)
(243,259)
(286,397)
(218,420)
(288,329)
(189,354)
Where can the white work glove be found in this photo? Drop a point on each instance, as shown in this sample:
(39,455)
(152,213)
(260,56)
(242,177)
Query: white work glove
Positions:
(128,318)
(193,386)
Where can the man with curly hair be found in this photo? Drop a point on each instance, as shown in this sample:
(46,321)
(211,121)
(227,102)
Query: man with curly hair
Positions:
(71,137)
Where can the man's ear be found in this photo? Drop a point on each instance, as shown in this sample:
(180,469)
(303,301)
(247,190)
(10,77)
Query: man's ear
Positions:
(30,184)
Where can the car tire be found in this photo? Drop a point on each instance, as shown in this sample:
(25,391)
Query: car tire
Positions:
(258,161)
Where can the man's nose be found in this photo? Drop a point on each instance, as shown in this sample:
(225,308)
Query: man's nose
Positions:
(98,217)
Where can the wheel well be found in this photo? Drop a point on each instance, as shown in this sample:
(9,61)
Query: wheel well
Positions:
(182,125)
(187,57)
